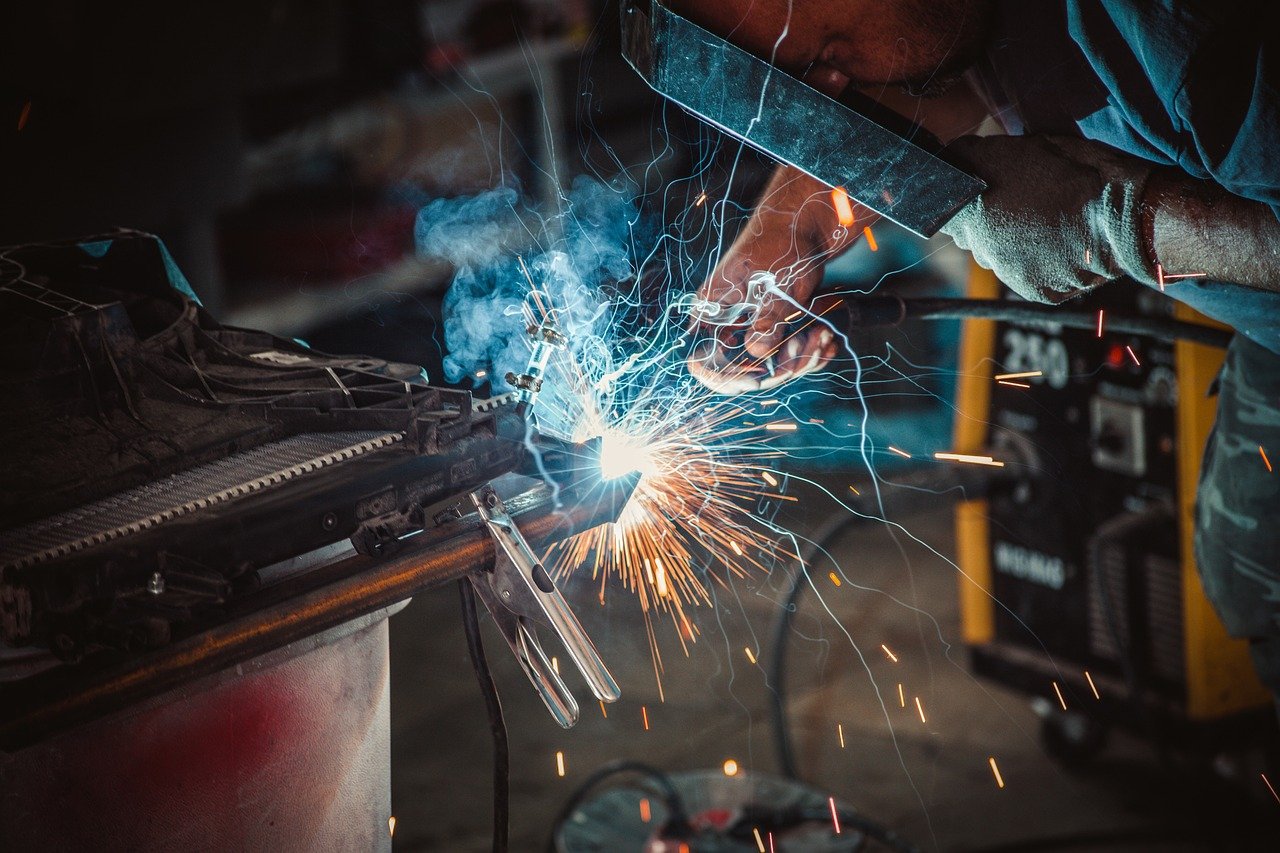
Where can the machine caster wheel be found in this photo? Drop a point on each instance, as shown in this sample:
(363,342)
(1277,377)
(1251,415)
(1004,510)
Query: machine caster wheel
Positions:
(1071,738)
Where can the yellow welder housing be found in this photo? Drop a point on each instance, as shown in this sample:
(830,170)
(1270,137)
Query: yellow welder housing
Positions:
(1219,676)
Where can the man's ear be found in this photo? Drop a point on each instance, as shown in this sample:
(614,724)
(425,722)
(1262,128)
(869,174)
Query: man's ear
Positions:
(826,79)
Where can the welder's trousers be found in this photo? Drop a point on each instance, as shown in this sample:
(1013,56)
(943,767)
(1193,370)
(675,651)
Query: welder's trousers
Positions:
(1238,505)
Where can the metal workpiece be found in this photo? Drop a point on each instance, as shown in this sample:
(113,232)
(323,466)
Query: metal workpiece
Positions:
(330,594)
(518,592)
(835,141)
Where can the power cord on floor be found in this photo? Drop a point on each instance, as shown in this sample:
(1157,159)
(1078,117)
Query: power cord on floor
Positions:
(874,311)
(497,725)
(677,825)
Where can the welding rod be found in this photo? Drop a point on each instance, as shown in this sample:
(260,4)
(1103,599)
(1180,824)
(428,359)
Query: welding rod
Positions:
(290,612)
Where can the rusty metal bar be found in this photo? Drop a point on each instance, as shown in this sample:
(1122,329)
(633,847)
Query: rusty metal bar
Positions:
(50,702)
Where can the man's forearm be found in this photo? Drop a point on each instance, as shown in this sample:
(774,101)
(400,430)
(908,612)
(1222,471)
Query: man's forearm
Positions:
(795,202)
(1198,227)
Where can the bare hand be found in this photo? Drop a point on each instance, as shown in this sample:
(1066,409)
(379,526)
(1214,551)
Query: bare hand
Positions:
(753,312)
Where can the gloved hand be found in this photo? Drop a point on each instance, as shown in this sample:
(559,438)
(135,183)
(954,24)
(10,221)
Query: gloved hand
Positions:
(1060,217)
(752,313)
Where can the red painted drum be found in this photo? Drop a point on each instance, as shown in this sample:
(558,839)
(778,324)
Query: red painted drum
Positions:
(288,751)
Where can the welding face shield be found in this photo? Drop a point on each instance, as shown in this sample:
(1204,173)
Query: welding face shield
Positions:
(884,163)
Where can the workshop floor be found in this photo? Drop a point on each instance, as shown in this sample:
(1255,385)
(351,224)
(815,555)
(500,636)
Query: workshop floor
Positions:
(930,781)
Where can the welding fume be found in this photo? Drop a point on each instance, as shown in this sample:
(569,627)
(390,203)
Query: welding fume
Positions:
(856,422)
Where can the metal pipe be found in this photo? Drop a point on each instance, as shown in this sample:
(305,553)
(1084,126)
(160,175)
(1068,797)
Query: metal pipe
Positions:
(293,611)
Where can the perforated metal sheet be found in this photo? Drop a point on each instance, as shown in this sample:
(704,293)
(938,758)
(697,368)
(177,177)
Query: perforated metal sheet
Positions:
(134,510)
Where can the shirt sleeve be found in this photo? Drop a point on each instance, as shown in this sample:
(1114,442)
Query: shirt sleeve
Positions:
(1198,80)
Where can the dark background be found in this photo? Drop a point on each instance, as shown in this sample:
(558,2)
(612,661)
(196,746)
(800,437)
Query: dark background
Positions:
(282,149)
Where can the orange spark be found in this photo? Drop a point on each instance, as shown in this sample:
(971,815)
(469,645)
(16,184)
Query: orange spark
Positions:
(644,712)
(969,458)
(855,491)
(603,711)
(391,826)
(750,656)
(646,812)
(995,771)
(560,764)
(1061,701)
(1265,460)
(701,199)
(902,697)
(1267,782)
(693,501)
(835,578)
(1133,355)
(1026,374)
(844,210)
(871,239)
(730,767)
(1012,384)
(891,655)
(769,478)
(840,731)
(920,708)
(904,454)
(1160,275)
(1092,686)
(1100,315)
(781,426)
(759,840)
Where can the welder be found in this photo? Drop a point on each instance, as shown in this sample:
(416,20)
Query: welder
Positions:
(1140,147)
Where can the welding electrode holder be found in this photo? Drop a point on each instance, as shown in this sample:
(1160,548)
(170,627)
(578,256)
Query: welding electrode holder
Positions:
(546,339)
(518,593)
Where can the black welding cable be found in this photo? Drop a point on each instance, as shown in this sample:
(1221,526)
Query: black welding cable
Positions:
(960,482)
(870,828)
(497,725)
(821,544)
(890,310)
(677,825)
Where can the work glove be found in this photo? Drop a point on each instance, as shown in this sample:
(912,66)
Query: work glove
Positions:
(1060,217)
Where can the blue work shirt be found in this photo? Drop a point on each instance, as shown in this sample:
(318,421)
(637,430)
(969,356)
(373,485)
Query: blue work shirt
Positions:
(1186,83)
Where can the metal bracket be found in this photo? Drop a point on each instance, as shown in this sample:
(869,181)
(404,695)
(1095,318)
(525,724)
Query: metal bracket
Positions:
(518,593)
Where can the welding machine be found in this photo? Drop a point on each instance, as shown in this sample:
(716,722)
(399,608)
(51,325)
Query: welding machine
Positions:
(1079,582)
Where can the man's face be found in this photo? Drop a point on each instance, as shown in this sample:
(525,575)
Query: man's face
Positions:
(920,45)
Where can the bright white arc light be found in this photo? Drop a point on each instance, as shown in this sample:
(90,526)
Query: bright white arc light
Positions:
(622,454)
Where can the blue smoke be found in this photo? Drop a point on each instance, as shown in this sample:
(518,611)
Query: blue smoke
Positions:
(577,255)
